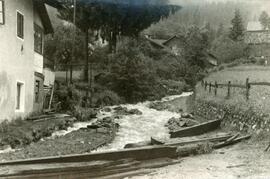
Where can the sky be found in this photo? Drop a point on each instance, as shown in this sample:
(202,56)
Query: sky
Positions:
(265,4)
(260,5)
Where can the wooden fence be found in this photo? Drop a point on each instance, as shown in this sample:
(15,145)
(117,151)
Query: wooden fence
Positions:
(214,86)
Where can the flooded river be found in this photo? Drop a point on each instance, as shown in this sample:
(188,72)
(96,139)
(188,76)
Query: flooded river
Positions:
(134,128)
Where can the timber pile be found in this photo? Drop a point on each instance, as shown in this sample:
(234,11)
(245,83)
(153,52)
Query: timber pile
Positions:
(96,169)
(116,164)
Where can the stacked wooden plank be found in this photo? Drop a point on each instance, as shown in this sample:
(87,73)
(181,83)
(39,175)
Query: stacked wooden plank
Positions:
(95,169)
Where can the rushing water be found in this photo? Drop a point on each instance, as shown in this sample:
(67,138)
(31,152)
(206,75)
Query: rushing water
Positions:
(138,128)
(133,128)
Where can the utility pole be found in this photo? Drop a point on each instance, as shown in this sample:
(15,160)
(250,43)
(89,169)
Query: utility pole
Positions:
(73,40)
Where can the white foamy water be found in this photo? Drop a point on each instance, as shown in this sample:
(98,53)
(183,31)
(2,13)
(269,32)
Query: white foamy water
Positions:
(170,98)
(138,128)
(78,125)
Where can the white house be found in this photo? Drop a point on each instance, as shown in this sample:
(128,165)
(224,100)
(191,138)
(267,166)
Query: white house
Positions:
(23,24)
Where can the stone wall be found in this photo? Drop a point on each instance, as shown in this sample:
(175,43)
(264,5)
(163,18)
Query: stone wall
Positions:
(244,120)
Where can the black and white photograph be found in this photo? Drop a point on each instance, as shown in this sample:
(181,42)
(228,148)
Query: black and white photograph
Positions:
(134,89)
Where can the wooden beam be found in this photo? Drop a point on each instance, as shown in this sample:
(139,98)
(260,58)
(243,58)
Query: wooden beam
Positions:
(197,129)
(143,153)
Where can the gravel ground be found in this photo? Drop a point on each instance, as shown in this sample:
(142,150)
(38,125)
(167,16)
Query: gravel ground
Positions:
(246,160)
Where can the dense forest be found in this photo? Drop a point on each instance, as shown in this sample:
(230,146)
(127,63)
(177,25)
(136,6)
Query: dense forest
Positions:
(214,14)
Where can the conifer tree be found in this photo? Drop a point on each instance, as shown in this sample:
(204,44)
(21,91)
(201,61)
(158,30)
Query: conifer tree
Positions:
(237,29)
(265,20)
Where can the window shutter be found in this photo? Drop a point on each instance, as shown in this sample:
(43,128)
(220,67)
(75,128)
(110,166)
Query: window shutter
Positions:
(2,12)
(20,25)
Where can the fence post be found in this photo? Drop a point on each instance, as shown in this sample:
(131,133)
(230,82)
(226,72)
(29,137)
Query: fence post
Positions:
(216,86)
(202,83)
(247,88)
(205,85)
(210,85)
(229,89)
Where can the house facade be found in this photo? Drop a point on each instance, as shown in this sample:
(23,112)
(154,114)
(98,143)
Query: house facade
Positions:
(23,24)
(258,40)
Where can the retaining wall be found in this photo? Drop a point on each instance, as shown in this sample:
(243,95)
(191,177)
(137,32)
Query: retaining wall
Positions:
(244,120)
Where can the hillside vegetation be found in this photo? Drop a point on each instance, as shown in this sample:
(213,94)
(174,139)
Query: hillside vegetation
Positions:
(259,95)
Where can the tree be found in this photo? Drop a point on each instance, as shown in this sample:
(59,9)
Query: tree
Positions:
(113,18)
(59,46)
(265,20)
(220,30)
(197,43)
(210,31)
(132,72)
(228,50)
(237,29)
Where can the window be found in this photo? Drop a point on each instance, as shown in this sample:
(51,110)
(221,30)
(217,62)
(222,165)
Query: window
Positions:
(2,12)
(38,39)
(20,25)
(19,97)
(37,87)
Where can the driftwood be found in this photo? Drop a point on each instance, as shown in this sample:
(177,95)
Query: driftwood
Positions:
(208,139)
(267,148)
(180,141)
(233,137)
(227,143)
(197,129)
(155,141)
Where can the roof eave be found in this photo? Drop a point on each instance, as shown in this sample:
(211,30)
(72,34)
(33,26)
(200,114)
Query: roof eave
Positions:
(41,8)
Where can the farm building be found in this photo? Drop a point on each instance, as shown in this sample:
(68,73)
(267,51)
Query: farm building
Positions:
(176,44)
(23,25)
(258,40)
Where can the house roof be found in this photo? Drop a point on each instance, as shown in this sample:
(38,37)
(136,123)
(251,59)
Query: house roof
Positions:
(44,16)
(255,26)
(170,39)
(156,42)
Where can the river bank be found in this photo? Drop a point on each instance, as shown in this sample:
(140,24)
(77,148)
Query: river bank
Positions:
(138,123)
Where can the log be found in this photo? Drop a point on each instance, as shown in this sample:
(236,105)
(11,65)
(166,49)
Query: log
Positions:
(102,173)
(181,141)
(155,141)
(224,144)
(267,148)
(128,174)
(233,137)
(143,153)
(197,129)
(210,139)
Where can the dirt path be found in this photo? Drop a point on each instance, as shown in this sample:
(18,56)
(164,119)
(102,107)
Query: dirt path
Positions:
(242,161)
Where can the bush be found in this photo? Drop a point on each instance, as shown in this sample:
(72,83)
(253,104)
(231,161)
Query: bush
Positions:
(174,87)
(68,97)
(106,98)
(228,50)
(221,67)
(84,114)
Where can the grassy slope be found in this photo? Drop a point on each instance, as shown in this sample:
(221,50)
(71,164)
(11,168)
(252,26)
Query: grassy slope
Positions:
(259,95)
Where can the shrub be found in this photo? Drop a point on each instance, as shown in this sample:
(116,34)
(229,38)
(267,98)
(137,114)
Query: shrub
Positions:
(174,87)
(84,114)
(68,96)
(228,50)
(221,68)
(106,98)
